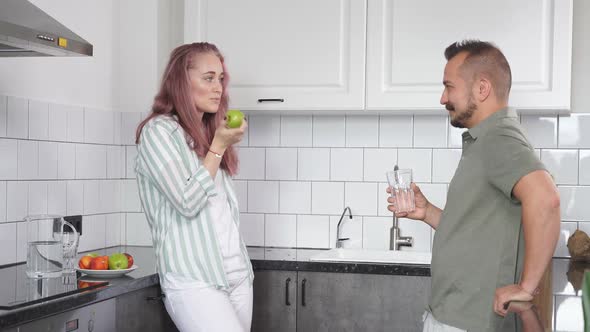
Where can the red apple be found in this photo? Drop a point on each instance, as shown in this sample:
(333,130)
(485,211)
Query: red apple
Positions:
(84,262)
(100,263)
(129,260)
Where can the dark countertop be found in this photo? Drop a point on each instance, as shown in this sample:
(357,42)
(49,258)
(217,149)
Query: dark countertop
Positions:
(566,295)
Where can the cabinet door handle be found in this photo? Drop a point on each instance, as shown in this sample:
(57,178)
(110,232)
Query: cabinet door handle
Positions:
(303,292)
(287,302)
(265,100)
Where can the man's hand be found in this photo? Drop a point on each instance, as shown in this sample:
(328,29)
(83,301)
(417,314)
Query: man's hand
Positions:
(424,210)
(509,293)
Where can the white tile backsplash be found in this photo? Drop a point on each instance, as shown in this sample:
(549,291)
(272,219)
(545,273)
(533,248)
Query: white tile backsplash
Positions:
(446,161)
(567,229)
(252,163)
(137,230)
(2,201)
(361,197)
(58,122)
(56,197)
(8,240)
(280,230)
(115,162)
(91,161)
(75,197)
(376,232)
(349,228)
(17,118)
(296,131)
(241,188)
(573,132)
(346,164)
(263,197)
(562,164)
(327,197)
(48,160)
(313,231)
(362,131)
(264,130)
(584,168)
(377,162)
(75,124)
(419,160)
(295,197)
(130,155)
(38,120)
(313,164)
(329,131)
(430,131)
(37,197)
(3,116)
(98,126)
(17,202)
(541,130)
(297,173)
(396,131)
(9,157)
(281,164)
(252,228)
(112,229)
(420,233)
(129,123)
(28,160)
(574,203)
(66,160)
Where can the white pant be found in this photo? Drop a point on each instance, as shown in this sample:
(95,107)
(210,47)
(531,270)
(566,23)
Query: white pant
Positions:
(433,325)
(198,307)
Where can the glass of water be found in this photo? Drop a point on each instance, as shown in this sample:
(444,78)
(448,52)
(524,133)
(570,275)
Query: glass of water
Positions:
(401,190)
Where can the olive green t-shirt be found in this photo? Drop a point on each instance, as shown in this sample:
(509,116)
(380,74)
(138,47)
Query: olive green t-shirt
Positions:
(479,245)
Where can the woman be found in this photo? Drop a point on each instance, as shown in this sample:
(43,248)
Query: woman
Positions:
(184,163)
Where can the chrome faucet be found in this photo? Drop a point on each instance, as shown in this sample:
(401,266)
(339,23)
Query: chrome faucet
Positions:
(339,240)
(395,240)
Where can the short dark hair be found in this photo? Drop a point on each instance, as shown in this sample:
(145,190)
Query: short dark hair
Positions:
(483,58)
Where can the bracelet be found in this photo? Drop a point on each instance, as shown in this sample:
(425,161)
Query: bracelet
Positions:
(216,154)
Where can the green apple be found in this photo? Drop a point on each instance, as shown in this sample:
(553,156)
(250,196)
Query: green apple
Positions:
(117,261)
(234,118)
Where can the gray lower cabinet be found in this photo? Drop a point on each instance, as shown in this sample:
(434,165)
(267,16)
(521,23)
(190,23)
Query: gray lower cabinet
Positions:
(275,301)
(338,302)
(143,311)
(361,302)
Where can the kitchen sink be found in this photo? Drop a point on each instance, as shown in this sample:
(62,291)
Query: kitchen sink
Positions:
(373,256)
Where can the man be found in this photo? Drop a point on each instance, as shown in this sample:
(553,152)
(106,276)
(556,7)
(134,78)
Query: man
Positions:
(501,204)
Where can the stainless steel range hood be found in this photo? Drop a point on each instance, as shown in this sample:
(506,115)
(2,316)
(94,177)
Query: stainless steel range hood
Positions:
(26,30)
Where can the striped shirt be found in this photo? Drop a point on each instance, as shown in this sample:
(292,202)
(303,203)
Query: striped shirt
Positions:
(174,188)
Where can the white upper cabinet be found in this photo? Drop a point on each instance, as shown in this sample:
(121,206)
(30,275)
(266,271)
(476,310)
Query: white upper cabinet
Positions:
(406,42)
(286,55)
(379,55)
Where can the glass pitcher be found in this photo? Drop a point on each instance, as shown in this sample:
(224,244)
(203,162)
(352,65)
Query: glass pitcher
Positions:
(45,250)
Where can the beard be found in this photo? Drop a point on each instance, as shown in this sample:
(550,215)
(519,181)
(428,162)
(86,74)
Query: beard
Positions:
(461,117)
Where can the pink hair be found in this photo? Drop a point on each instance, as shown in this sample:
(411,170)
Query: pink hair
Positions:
(175,98)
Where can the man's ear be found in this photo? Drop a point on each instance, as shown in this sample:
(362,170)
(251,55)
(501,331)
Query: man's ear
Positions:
(483,89)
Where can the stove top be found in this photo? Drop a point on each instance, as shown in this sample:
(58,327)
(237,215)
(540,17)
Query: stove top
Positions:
(17,290)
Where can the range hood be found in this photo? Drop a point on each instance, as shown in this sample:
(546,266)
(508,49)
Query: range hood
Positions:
(26,30)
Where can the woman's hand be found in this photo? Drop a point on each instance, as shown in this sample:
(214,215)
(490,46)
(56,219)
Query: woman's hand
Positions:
(421,205)
(226,137)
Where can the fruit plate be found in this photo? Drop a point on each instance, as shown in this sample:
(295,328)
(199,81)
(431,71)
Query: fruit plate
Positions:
(107,273)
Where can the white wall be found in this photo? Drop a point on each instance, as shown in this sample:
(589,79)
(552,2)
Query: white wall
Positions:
(81,81)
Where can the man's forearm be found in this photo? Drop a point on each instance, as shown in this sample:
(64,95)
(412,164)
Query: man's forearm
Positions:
(433,215)
(541,232)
